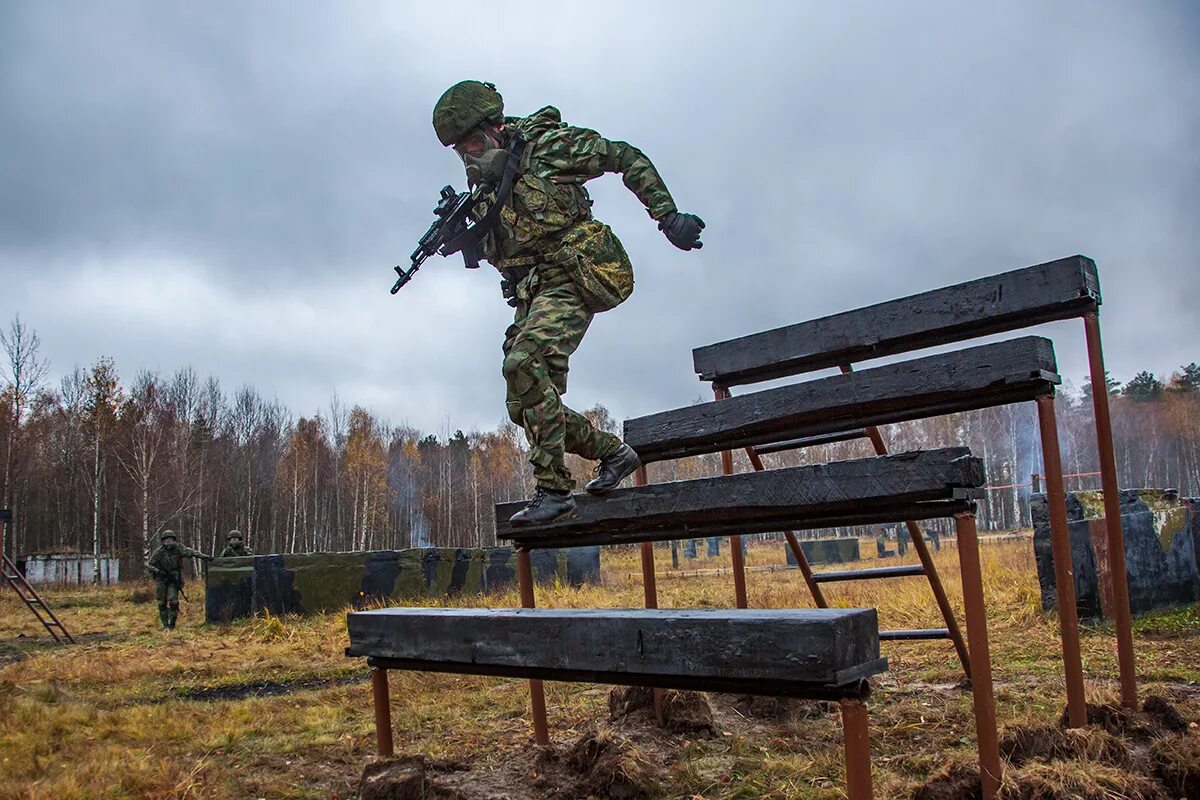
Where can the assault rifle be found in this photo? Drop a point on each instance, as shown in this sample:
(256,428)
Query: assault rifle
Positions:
(447,234)
(450,233)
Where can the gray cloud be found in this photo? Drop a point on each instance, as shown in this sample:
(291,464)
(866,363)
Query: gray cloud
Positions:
(227,185)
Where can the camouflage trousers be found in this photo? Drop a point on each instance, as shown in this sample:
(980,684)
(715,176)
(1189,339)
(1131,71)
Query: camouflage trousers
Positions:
(550,323)
(167,594)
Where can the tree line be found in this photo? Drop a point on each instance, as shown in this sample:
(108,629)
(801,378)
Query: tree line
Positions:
(101,463)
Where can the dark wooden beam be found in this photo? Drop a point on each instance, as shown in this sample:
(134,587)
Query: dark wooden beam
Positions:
(780,499)
(1063,289)
(716,649)
(976,377)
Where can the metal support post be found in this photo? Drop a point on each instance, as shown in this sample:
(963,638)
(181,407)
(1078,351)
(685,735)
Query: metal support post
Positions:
(857,743)
(1064,572)
(537,693)
(383,712)
(981,668)
(735,542)
(650,590)
(1118,577)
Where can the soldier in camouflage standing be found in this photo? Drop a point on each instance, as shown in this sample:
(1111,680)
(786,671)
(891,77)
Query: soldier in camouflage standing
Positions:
(166,566)
(559,267)
(234,546)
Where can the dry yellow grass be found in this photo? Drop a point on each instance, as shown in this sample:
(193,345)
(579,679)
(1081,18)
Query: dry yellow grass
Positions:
(110,718)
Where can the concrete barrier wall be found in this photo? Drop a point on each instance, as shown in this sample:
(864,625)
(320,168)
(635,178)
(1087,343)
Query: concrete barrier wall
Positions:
(315,582)
(825,551)
(68,568)
(1162,550)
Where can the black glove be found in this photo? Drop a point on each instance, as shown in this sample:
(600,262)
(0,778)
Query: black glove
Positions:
(508,288)
(682,230)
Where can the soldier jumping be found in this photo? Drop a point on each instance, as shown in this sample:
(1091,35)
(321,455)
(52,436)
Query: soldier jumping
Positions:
(166,566)
(559,267)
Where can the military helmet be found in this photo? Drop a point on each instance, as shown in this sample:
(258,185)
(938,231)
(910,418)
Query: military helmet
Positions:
(463,106)
(167,534)
(233,535)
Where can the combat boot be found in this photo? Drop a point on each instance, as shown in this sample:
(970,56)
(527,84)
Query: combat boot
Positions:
(614,469)
(162,617)
(547,505)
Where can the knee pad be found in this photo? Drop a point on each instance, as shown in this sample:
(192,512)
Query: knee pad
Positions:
(523,373)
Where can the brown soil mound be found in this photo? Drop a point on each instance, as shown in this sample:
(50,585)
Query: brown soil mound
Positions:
(956,781)
(779,709)
(408,778)
(1147,755)
(683,712)
(1177,765)
(599,764)
(1022,744)
(1072,780)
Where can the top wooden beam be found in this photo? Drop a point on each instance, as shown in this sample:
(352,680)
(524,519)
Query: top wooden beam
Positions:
(1062,289)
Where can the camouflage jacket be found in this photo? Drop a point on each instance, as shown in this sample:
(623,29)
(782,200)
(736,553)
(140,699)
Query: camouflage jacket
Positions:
(239,550)
(549,198)
(166,563)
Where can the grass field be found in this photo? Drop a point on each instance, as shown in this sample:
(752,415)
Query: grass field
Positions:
(271,707)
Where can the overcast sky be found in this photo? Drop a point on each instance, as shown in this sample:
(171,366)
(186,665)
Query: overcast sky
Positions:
(228,185)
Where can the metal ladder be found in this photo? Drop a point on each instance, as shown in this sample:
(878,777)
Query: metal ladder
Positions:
(29,595)
(926,568)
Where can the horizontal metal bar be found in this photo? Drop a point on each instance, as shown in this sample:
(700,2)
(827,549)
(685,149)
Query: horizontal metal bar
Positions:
(918,633)
(869,574)
(811,441)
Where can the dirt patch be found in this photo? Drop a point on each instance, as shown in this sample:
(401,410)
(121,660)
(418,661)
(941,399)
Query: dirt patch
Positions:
(1023,744)
(1177,764)
(599,764)
(955,781)
(683,712)
(1147,755)
(240,691)
(778,709)
(410,778)
(18,648)
(1067,780)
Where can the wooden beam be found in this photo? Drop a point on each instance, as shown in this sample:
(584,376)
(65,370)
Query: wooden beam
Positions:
(977,377)
(760,500)
(718,649)
(1062,289)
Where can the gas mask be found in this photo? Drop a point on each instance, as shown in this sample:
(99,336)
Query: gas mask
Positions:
(486,169)
(484,156)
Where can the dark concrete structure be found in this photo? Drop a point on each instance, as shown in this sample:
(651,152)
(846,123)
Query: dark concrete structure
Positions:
(303,583)
(1162,550)
(826,551)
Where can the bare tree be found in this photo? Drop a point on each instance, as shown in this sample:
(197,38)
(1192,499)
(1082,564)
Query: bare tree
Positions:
(25,373)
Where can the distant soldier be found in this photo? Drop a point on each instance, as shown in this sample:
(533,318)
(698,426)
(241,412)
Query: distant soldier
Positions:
(166,566)
(234,546)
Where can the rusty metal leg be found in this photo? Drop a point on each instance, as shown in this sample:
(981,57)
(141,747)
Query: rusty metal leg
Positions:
(981,667)
(383,712)
(649,589)
(537,693)
(931,573)
(1064,572)
(857,743)
(1112,513)
(735,542)
(814,588)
